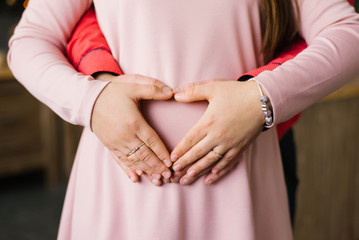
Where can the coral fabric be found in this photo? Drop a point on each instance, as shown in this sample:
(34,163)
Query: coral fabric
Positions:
(87,49)
(179,42)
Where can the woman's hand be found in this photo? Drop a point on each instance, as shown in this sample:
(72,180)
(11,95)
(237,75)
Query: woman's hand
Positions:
(233,118)
(118,123)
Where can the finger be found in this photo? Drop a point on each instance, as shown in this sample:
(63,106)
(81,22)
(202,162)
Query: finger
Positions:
(176,176)
(189,180)
(138,79)
(130,173)
(143,157)
(198,151)
(194,92)
(150,89)
(153,141)
(153,180)
(194,135)
(214,177)
(204,163)
(227,158)
(139,172)
(210,159)
(142,168)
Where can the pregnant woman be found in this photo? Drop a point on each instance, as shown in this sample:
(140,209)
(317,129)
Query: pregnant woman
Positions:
(193,50)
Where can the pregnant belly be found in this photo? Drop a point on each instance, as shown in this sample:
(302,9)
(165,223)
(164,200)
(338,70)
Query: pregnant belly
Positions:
(172,120)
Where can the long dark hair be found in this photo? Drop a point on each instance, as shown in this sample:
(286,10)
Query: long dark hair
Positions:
(279,26)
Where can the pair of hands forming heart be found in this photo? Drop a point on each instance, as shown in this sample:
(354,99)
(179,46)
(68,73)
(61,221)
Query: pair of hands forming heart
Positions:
(233,118)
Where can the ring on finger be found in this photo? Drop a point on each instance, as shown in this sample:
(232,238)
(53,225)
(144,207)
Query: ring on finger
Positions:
(219,156)
(135,149)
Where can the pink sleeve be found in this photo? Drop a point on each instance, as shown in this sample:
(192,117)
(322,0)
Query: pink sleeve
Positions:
(36,58)
(331,29)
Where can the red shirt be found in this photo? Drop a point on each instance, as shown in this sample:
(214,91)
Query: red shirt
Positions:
(89,53)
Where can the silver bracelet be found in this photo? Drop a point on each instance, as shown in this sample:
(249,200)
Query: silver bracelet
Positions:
(265,108)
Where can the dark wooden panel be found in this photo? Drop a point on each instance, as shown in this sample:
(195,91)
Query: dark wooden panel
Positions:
(29,134)
(328,163)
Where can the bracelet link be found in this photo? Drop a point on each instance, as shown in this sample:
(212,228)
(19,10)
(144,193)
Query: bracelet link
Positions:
(268,116)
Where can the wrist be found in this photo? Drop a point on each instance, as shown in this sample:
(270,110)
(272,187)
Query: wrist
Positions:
(104,76)
(265,104)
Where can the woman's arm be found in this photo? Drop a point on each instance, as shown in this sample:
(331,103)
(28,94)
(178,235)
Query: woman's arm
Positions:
(331,29)
(289,54)
(37,59)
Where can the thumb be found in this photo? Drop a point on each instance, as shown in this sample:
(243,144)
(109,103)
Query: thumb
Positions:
(150,88)
(194,92)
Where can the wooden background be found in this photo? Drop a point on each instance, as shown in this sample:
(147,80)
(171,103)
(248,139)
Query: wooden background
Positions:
(327,138)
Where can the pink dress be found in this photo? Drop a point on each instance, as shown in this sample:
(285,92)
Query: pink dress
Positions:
(179,42)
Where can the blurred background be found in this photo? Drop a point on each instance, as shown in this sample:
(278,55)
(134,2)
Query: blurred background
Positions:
(37,150)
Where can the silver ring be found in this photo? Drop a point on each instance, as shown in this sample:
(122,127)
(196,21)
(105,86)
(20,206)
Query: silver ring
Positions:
(135,149)
(218,154)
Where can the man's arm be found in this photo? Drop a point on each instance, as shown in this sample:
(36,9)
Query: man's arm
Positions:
(87,49)
(89,53)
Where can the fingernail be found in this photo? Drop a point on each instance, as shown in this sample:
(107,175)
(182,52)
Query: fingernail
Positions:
(177,167)
(167,162)
(179,95)
(166,90)
(139,172)
(185,181)
(215,171)
(192,173)
(208,182)
(166,174)
(155,181)
(156,175)
(174,157)
(133,178)
(165,180)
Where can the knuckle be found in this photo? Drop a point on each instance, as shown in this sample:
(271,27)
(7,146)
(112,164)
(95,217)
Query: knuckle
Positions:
(132,123)
(190,90)
(153,84)
(197,152)
(133,161)
(143,155)
(231,155)
(222,132)
(151,141)
(111,141)
(227,160)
